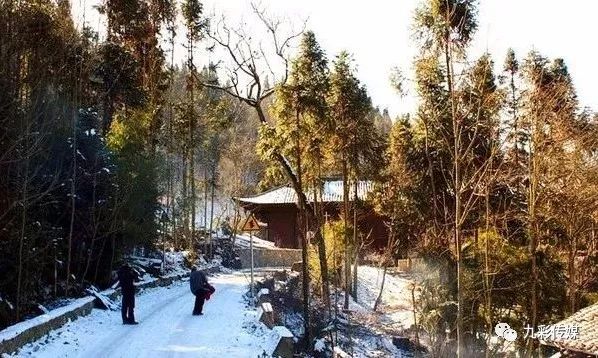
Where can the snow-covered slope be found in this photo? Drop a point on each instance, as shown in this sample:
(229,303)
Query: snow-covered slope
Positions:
(396,304)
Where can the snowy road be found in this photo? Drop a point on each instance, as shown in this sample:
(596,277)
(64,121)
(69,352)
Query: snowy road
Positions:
(166,329)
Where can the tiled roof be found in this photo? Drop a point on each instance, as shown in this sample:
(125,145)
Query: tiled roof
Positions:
(587,322)
(333,192)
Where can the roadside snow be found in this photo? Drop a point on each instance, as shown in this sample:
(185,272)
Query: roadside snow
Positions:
(167,328)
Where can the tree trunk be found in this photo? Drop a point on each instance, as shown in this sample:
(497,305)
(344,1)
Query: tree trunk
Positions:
(171,171)
(319,237)
(304,223)
(192,120)
(213,185)
(73,195)
(192,186)
(305,285)
(184,209)
(94,222)
(205,198)
(487,288)
(356,242)
(532,234)
(346,234)
(456,126)
(22,237)
(572,272)
(379,298)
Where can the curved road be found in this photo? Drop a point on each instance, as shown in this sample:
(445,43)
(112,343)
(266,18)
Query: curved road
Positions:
(166,329)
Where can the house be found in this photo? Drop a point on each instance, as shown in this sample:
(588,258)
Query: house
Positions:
(561,342)
(278,209)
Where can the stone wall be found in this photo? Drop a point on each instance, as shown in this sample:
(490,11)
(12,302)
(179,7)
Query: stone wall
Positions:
(269,257)
(16,336)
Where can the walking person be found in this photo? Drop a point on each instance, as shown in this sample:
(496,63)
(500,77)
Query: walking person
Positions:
(200,288)
(126,279)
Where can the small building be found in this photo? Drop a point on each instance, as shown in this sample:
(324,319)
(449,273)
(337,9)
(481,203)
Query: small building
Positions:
(278,209)
(575,336)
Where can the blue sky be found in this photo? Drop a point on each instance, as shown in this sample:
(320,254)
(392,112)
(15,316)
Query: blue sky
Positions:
(378,33)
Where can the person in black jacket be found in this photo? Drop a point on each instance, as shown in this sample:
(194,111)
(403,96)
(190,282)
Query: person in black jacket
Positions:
(126,279)
(199,285)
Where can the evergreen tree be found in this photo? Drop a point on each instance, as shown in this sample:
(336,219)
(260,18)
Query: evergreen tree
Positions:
(301,131)
(352,142)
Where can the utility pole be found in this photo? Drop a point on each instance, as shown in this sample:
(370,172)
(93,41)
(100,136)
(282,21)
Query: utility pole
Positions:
(251,250)
(251,225)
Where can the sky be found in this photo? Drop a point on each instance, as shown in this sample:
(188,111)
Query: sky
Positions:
(378,34)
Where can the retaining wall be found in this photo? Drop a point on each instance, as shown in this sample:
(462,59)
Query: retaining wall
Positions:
(269,257)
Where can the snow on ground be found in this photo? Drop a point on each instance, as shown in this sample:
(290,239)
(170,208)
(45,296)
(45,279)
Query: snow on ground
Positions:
(372,332)
(228,327)
(396,305)
(244,241)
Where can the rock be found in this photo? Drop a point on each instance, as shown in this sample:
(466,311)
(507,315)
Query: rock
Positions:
(297,266)
(263,296)
(402,343)
(267,315)
(286,344)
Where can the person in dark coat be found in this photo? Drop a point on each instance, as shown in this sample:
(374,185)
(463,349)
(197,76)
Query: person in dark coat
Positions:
(126,280)
(200,287)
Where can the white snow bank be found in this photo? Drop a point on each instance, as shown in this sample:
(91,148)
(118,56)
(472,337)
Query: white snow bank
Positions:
(394,315)
(340,353)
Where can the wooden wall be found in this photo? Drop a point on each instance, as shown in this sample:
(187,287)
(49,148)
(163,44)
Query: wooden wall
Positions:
(283,230)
